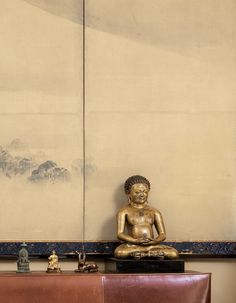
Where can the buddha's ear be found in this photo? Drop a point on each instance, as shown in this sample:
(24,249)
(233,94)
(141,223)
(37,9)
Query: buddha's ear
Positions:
(128,198)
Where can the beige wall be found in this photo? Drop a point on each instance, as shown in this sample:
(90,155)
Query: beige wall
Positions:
(159,101)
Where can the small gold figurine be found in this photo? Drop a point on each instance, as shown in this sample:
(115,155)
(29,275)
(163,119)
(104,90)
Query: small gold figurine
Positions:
(53,264)
(139,219)
(83,266)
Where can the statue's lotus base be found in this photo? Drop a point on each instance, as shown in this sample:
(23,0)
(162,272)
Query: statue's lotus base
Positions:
(145,266)
(51,271)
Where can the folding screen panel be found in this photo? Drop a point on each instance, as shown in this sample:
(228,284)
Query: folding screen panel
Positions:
(41,153)
(160,102)
(151,92)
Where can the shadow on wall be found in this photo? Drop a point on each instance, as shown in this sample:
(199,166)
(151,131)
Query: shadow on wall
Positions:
(69,9)
(109,226)
(160,23)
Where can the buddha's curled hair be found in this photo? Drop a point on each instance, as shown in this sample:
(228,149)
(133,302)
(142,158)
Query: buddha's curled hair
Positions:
(134,180)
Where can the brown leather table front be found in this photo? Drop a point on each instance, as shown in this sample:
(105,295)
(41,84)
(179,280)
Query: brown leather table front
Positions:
(104,288)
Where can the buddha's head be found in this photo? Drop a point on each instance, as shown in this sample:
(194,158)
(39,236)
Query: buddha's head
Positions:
(137,189)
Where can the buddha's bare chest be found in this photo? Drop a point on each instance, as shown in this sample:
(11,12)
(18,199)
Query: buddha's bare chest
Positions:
(140,217)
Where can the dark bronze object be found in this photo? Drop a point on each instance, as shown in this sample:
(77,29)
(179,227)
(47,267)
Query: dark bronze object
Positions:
(145,265)
(83,266)
(23,261)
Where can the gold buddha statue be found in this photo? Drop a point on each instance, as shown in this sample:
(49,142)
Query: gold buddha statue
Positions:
(53,263)
(135,224)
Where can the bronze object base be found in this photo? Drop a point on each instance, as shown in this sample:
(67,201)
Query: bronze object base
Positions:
(55,270)
(148,266)
(22,271)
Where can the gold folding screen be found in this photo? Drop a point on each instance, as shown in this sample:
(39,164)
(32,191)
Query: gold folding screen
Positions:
(109,89)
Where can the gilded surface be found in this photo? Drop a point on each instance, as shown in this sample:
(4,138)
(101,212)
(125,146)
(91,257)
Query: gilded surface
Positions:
(136,223)
(53,264)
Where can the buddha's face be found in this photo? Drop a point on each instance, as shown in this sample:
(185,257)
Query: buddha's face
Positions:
(139,193)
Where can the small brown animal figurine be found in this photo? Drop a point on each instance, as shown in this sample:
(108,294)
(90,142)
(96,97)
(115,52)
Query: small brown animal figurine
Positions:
(83,266)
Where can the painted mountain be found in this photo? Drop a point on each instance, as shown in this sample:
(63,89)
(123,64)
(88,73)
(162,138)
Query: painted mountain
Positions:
(49,171)
(17,161)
